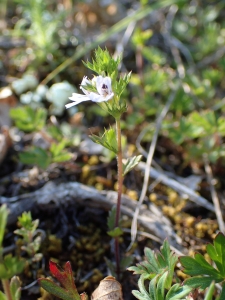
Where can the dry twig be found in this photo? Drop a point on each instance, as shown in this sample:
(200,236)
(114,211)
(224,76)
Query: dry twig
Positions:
(74,193)
(215,199)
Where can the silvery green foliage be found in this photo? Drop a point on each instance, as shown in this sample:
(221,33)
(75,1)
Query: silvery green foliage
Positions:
(157,289)
(158,269)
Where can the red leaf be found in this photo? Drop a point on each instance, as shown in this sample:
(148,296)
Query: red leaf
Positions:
(65,277)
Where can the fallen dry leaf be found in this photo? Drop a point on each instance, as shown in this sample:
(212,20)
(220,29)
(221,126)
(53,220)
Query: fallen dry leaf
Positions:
(108,289)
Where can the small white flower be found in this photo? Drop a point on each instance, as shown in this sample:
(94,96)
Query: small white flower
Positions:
(104,91)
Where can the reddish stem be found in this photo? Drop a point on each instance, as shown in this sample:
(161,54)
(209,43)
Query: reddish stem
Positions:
(120,185)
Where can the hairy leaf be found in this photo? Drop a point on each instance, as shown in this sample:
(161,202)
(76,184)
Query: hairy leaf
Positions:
(178,292)
(117,231)
(157,263)
(107,140)
(65,277)
(131,163)
(54,289)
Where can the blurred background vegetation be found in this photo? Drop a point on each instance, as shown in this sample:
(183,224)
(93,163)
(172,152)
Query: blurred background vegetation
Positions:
(175,50)
(168,45)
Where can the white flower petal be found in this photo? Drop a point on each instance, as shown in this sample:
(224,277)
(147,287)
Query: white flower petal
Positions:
(103,85)
(110,96)
(75,103)
(96,97)
(78,97)
(70,105)
(85,81)
(99,82)
(107,81)
(99,98)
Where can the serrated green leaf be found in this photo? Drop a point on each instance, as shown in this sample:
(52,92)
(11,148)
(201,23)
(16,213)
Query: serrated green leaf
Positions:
(131,163)
(103,63)
(27,223)
(199,282)
(107,140)
(200,259)
(151,261)
(117,231)
(157,263)
(198,267)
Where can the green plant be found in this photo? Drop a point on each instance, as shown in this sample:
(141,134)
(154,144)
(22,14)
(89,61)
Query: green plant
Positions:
(31,120)
(106,89)
(43,158)
(69,290)
(9,265)
(206,126)
(158,269)
(202,272)
(30,238)
(41,29)
(28,119)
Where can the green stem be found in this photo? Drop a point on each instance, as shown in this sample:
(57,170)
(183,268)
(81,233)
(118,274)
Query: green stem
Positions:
(6,288)
(120,185)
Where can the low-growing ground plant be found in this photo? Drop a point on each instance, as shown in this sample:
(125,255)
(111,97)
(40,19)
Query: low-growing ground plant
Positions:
(12,265)
(32,120)
(158,269)
(157,273)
